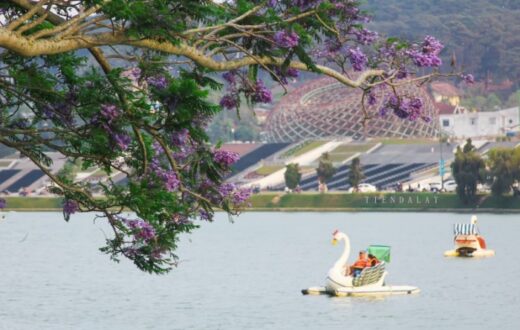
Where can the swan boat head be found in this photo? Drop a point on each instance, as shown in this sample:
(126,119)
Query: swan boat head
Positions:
(336,277)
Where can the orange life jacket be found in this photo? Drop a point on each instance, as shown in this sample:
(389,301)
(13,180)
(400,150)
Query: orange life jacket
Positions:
(373,262)
(361,263)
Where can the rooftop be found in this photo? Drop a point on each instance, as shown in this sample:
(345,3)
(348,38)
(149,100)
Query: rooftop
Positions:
(444,89)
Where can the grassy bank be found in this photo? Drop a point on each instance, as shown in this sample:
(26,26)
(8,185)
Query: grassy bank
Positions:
(379,201)
(327,202)
(33,203)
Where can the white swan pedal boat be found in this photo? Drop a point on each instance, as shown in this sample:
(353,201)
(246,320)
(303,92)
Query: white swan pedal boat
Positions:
(468,241)
(370,282)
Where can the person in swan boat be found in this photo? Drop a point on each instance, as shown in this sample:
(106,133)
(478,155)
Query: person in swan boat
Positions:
(372,260)
(360,264)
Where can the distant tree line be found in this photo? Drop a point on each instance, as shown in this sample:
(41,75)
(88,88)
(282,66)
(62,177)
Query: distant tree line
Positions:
(484,35)
(501,170)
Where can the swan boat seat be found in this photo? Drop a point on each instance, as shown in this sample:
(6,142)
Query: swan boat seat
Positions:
(370,275)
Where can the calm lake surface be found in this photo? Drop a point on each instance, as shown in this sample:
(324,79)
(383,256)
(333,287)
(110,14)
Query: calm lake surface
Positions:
(248,275)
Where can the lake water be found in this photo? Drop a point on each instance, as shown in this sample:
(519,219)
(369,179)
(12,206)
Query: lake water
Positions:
(248,275)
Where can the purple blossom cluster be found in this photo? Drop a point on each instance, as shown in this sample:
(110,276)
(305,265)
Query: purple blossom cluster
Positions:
(371,98)
(431,45)
(70,207)
(226,189)
(3,203)
(285,39)
(404,107)
(229,101)
(122,140)
(134,74)
(427,54)
(110,112)
(141,229)
(358,59)
(289,73)
(402,73)
(239,83)
(261,93)
(180,138)
(468,78)
(240,196)
(62,112)
(237,196)
(301,4)
(305,4)
(157,150)
(171,181)
(168,177)
(225,158)
(158,81)
(365,37)
(230,77)
(205,215)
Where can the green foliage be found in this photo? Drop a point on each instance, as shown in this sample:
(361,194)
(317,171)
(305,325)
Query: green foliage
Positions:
(468,170)
(504,169)
(490,102)
(127,91)
(514,99)
(326,169)
(292,176)
(67,172)
(468,147)
(355,174)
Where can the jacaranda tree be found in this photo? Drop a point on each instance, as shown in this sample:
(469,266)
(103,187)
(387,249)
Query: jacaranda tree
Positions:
(123,85)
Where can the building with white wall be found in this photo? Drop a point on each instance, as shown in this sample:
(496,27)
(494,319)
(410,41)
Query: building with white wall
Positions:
(462,123)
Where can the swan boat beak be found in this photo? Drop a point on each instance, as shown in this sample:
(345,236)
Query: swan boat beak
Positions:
(334,241)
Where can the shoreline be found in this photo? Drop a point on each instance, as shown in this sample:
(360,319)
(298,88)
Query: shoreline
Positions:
(385,210)
(329,202)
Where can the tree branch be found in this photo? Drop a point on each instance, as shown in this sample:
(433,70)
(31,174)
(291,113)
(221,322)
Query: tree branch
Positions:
(32,11)
(27,47)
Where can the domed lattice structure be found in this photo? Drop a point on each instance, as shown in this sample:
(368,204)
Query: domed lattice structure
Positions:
(324,108)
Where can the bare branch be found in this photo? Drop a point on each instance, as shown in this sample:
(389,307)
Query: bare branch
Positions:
(25,17)
(34,23)
(218,28)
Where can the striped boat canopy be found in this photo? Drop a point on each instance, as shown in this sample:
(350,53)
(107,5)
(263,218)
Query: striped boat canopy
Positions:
(465,229)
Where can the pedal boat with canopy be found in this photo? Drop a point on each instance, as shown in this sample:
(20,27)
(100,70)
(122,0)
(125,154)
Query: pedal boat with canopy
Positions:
(468,241)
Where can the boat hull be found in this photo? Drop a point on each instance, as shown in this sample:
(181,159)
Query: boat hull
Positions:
(474,254)
(363,291)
